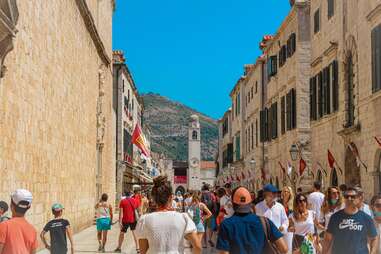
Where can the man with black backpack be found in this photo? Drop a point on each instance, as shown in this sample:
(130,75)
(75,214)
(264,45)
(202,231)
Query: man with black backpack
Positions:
(247,233)
(210,200)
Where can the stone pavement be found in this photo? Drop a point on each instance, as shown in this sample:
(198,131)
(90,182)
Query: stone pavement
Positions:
(86,241)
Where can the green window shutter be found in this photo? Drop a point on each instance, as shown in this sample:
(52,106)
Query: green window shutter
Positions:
(282,115)
(376,58)
(293,110)
(335,85)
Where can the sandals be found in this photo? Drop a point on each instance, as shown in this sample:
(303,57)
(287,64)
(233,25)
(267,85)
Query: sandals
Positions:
(137,251)
(211,243)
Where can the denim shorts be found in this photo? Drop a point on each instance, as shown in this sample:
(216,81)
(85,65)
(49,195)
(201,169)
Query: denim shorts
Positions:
(200,227)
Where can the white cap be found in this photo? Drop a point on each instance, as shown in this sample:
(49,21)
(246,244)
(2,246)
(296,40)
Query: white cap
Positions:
(22,196)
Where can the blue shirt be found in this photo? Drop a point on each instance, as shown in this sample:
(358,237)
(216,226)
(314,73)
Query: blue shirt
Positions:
(351,232)
(244,234)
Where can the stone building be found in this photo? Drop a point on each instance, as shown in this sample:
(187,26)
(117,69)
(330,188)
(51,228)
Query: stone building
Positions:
(132,168)
(57,121)
(315,88)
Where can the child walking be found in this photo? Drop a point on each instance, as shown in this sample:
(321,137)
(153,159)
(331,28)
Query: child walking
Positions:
(58,228)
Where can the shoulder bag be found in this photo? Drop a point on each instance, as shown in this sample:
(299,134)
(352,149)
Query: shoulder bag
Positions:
(269,247)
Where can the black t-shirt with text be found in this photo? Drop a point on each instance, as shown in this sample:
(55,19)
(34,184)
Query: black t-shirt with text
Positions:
(57,229)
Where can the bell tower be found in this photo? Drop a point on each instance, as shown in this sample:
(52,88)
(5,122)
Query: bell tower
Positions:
(194,153)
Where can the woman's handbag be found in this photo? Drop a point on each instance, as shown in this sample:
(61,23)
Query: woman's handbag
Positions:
(270,247)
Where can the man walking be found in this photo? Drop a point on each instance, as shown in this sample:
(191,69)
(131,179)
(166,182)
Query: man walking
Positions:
(244,232)
(17,236)
(127,219)
(316,199)
(271,209)
(350,230)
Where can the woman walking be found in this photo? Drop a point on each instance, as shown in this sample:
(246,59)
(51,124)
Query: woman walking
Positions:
(376,208)
(164,230)
(104,217)
(199,213)
(302,224)
(333,203)
(287,200)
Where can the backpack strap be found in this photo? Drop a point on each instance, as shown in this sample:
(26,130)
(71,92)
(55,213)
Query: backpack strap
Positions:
(265,226)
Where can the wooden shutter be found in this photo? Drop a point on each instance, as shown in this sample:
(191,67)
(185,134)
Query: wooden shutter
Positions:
(282,115)
(256,132)
(317,21)
(293,43)
(311,100)
(335,85)
(376,58)
(288,110)
(252,136)
(328,91)
(275,120)
(280,58)
(293,109)
(320,94)
(314,101)
(331,8)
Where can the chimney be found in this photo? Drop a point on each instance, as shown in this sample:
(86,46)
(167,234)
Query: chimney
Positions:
(118,56)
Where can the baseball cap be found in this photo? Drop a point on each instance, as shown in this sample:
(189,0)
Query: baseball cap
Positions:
(57,207)
(270,188)
(22,198)
(242,199)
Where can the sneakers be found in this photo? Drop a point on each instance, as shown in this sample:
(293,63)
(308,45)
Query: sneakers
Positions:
(118,250)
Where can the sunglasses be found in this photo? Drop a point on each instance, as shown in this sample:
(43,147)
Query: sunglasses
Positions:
(346,196)
(302,200)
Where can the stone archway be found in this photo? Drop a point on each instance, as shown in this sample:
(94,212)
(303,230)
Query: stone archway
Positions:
(180,189)
(319,178)
(352,169)
(334,178)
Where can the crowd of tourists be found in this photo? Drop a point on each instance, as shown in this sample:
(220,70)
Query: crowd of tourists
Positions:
(337,220)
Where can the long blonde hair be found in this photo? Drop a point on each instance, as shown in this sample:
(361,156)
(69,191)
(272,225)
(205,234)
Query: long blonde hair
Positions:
(290,201)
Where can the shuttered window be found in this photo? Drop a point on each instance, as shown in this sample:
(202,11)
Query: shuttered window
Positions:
(335,86)
(288,111)
(274,114)
(320,94)
(256,132)
(293,108)
(291,45)
(327,91)
(262,126)
(252,136)
(376,59)
(331,8)
(317,21)
(282,115)
(313,112)
(272,66)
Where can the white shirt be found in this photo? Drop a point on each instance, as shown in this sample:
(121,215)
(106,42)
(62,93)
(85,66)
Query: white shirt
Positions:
(225,202)
(277,214)
(325,217)
(366,209)
(304,227)
(165,231)
(315,200)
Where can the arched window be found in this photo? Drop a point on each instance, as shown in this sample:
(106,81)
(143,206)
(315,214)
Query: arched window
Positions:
(334,178)
(194,135)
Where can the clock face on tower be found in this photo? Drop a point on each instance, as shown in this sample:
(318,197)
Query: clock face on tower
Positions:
(194,162)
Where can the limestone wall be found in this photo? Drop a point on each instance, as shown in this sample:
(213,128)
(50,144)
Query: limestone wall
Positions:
(48,105)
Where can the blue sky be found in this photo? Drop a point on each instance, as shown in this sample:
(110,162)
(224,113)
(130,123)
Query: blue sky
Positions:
(193,51)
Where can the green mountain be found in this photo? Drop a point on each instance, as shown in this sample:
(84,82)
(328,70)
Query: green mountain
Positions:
(168,121)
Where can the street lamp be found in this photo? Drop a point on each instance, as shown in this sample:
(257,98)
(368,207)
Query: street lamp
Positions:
(294,152)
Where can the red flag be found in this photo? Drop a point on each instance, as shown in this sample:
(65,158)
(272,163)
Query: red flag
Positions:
(331,159)
(356,153)
(378,141)
(281,166)
(263,173)
(302,166)
(139,141)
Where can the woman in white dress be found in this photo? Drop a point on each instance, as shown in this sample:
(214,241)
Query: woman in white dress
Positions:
(164,231)
(302,223)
